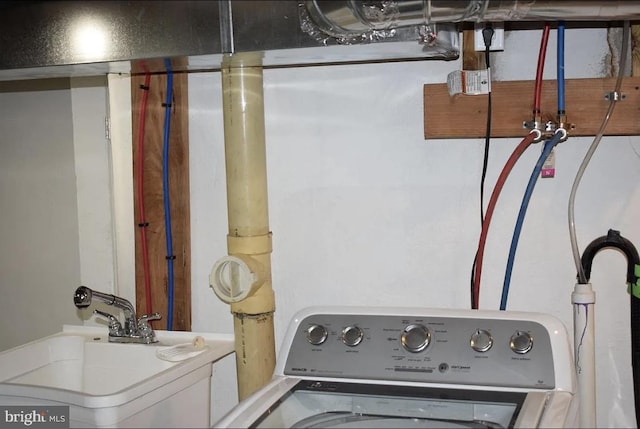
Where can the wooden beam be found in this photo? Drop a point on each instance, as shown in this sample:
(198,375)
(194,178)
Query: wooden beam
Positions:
(154,199)
(464,116)
(635,51)
(471,59)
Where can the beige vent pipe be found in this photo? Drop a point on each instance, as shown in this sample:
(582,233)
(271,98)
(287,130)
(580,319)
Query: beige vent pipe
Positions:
(243,279)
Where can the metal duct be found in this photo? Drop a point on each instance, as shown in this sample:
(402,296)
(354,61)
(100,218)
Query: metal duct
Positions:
(84,38)
(345,19)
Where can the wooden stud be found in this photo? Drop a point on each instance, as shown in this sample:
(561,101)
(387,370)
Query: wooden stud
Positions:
(471,59)
(635,52)
(154,200)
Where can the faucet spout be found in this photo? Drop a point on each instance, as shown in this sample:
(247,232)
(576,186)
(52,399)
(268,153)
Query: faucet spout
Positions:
(84,296)
(134,330)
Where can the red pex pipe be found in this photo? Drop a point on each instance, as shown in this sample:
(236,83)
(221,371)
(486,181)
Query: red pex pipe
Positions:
(519,150)
(140,187)
(537,96)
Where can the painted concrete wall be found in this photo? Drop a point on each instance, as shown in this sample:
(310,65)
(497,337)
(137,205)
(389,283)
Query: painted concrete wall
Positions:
(364,211)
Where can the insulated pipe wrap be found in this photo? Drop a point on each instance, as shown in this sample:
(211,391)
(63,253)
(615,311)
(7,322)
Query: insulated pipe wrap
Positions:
(352,17)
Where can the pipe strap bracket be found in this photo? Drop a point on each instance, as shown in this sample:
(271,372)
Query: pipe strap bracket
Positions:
(251,245)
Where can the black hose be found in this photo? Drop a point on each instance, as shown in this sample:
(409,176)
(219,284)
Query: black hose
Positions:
(613,239)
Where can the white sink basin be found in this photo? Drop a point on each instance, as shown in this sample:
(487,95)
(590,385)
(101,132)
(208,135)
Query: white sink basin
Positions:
(110,385)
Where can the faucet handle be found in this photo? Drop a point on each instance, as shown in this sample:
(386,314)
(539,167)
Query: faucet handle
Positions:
(115,328)
(144,328)
(149,317)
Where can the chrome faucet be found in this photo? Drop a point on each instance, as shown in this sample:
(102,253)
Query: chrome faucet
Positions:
(134,330)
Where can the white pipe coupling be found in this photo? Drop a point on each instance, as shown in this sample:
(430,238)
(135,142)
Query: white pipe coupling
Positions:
(583,294)
(234,278)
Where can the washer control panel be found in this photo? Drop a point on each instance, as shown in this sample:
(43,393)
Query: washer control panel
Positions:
(451,350)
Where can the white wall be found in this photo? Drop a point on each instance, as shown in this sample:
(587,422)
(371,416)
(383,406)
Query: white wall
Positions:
(39,227)
(55,203)
(92,168)
(364,211)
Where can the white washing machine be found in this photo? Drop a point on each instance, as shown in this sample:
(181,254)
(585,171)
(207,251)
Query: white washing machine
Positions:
(347,367)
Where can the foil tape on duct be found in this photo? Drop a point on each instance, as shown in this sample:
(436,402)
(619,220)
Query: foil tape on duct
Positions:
(320,28)
(344,19)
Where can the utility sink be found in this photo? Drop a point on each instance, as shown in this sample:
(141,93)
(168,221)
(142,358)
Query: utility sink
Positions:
(114,385)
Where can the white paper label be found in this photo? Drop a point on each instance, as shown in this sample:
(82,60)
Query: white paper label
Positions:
(469,82)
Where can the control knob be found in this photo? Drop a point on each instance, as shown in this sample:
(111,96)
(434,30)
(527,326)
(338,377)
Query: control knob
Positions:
(415,338)
(317,334)
(521,342)
(481,341)
(352,336)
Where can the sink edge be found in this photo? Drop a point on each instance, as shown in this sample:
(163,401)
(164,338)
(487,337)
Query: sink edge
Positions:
(220,346)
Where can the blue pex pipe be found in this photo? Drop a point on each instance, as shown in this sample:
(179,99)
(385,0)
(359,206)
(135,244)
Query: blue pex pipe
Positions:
(561,106)
(548,147)
(165,188)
